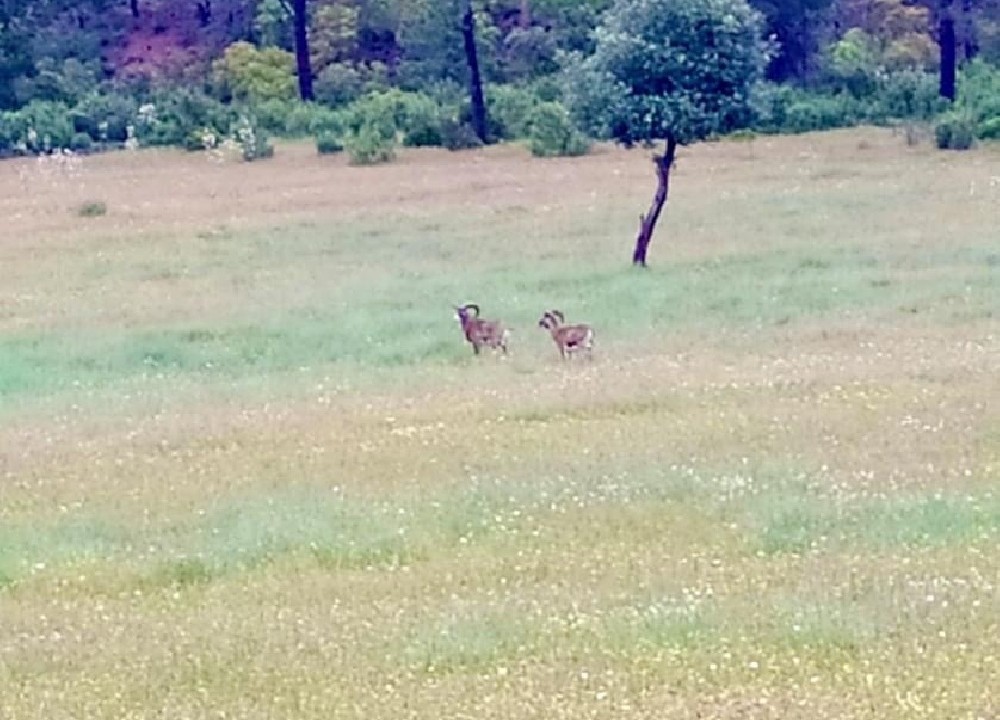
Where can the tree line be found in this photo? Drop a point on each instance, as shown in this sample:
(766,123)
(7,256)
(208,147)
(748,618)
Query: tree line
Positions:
(51,49)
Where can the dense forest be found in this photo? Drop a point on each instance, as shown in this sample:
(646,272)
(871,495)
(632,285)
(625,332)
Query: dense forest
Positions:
(104,73)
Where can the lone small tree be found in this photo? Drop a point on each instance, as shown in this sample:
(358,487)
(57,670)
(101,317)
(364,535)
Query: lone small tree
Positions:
(675,71)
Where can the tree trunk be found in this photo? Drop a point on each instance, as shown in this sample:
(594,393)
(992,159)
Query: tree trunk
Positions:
(970,36)
(475,79)
(205,13)
(947,43)
(300,20)
(647,222)
(524,16)
(134,7)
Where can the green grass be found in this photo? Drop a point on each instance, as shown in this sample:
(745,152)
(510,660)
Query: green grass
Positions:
(331,532)
(800,524)
(407,321)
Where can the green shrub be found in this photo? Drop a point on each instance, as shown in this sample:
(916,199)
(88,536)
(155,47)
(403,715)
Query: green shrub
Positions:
(509,109)
(250,74)
(272,115)
(328,121)
(955,131)
(990,129)
(371,144)
(93,208)
(63,80)
(299,120)
(820,112)
(195,141)
(174,114)
(528,52)
(547,88)
(8,133)
(552,134)
(414,116)
(105,116)
(421,122)
(253,140)
(446,93)
(910,95)
(43,125)
(338,84)
(979,91)
(458,135)
(328,144)
(81,143)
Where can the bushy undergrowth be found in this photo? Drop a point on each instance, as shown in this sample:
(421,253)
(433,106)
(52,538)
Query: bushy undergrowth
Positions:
(896,97)
(552,133)
(440,115)
(955,131)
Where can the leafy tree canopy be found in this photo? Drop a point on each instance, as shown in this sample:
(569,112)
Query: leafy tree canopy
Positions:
(669,69)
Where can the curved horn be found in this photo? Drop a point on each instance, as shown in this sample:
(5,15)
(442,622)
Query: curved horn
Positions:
(559,316)
(474,307)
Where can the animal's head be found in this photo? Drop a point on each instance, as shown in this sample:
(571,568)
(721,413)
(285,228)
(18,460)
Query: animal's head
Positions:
(552,319)
(466,312)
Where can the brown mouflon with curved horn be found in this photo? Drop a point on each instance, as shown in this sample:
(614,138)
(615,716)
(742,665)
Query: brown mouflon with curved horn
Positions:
(568,338)
(481,333)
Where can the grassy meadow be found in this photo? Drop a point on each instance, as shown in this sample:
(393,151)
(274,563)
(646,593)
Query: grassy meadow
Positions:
(249,468)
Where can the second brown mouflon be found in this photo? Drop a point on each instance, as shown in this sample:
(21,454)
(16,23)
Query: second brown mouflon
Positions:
(569,339)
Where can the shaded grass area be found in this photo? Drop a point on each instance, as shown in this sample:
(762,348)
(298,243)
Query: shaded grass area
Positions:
(406,321)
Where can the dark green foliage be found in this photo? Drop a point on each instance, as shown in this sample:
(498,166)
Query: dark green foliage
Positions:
(195,141)
(679,69)
(299,120)
(93,208)
(61,52)
(898,96)
(459,135)
(819,113)
(172,115)
(421,122)
(324,120)
(955,131)
(338,84)
(414,116)
(509,110)
(41,125)
(8,134)
(528,53)
(273,115)
(64,81)
(373,127)
(105,116)
(81,143)
(371,144)
(328,144)
(979,91)
(547,89)
(990,129)
(552,133)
